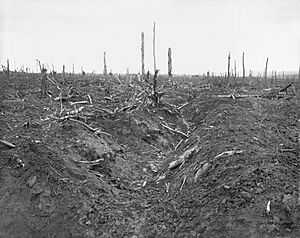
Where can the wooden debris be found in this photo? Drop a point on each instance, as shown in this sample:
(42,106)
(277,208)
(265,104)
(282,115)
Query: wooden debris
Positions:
(179,143)
(174,164)
(186,155)
(160,177)
(93,162)
(201,171)
(229,153)
(84,124)
(268,207)
(183,105)
(167,187)
(79,102)
(236,96)
(7,144)
(176,131)
(90,99)
(284,89)
(183,182)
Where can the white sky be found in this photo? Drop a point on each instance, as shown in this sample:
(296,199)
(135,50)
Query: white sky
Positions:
(200,33)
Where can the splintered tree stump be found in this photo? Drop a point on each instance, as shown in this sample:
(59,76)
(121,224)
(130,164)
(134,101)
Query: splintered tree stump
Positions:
(228,68)
(143,53)
(169,62)
(266,69)
(43,82)
(63,74)
(243,62)
(155,94)
(7,70)
(104,61)
(235,68)
(154,57)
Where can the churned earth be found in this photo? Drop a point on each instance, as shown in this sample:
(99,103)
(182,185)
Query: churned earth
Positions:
(96,158)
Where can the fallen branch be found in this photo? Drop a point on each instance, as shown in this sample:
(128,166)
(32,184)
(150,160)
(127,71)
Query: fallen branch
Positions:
(183,182)
(183,105)
(104,110)
(54,82)
(93,162)
(90,99)
(236,96)
(79,102)
(85,125)
(94,130)
(229,153)
(176,131)
(7,144)
(284,89)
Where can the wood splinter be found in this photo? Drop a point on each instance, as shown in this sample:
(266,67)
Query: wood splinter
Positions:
(176,131)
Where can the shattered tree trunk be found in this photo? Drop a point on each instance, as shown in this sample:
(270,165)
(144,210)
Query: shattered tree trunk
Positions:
(235,68)
(228,69)
(105,67)
(7,70)
(299,75)
(266,69)
(154,57)
(73,68)
(243,62)
(63,74)
(169,62)
(43,82)
(154,89)
(143,53)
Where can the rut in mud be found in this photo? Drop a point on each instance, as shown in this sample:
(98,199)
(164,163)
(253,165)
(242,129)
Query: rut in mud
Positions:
(198,165)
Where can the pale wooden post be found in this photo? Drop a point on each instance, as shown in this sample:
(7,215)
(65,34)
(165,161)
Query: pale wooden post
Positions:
(266,69)
(7,69)
(154,57)
(243,62)
(169,62)
(105,67)
(63,74)
(228,69)
(43,81)
(143,53)
(235,68)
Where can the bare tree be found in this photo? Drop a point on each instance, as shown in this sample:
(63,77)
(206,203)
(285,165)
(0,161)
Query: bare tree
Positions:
(243,62)
(228,69)
(105,67)
(72,68)
(7,69)
(154,57)
(266,68)
(43,79)
(170,62)
(235,68)
(63,74)
(143,53)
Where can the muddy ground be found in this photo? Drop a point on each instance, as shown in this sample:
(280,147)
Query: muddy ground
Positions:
(216,158)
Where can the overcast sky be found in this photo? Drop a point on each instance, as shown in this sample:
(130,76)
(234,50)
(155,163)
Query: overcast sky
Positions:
(200,33)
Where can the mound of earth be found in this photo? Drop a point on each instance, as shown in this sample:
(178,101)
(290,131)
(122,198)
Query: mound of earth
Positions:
(97,158)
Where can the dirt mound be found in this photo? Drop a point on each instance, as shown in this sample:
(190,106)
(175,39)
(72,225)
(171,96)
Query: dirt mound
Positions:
(213,159)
